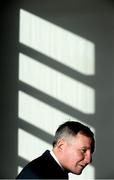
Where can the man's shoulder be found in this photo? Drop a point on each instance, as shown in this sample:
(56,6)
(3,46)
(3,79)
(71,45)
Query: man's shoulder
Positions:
(34,168)
(40,158)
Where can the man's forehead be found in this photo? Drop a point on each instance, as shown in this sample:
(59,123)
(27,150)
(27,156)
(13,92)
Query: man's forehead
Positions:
(81,138)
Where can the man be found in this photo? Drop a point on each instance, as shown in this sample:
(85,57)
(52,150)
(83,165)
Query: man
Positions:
(73,146)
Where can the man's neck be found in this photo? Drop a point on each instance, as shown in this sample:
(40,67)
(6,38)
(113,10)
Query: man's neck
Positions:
(56,159)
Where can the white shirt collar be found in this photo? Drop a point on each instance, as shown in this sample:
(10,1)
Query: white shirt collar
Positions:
(53,155)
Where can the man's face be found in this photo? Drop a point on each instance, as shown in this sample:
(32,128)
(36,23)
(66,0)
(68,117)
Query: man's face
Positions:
(77,153)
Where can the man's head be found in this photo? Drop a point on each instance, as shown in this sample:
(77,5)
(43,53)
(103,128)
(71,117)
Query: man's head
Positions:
(73,145)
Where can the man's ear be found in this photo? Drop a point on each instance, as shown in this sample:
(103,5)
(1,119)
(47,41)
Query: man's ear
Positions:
(61,144)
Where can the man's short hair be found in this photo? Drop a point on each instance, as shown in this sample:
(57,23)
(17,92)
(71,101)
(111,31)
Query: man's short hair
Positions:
(72,128)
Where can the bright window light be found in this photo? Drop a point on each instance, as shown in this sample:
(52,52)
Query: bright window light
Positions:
(29,146)
(66,48)
(67,90)
(39,114)
(19,169)
(57,43)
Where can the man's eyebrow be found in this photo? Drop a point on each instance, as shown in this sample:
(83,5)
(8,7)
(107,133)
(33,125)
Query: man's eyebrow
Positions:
(86,147)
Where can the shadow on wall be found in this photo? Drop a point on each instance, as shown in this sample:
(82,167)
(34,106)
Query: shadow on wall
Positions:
(21,95)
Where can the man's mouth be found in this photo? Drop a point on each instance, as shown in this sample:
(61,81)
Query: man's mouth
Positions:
(82,166)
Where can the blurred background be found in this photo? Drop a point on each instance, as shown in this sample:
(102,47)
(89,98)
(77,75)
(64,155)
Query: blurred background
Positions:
(56,64)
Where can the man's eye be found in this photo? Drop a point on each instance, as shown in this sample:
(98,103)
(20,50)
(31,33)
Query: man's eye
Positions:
(83,150)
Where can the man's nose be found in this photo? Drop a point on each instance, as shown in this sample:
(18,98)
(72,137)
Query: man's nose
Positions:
(88,158)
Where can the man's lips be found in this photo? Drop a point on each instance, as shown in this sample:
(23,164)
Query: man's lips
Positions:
(82,165)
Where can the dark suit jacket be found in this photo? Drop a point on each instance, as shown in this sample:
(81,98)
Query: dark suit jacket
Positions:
(44,167)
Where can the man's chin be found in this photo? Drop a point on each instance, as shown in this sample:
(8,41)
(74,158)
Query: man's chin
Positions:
(78,172)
